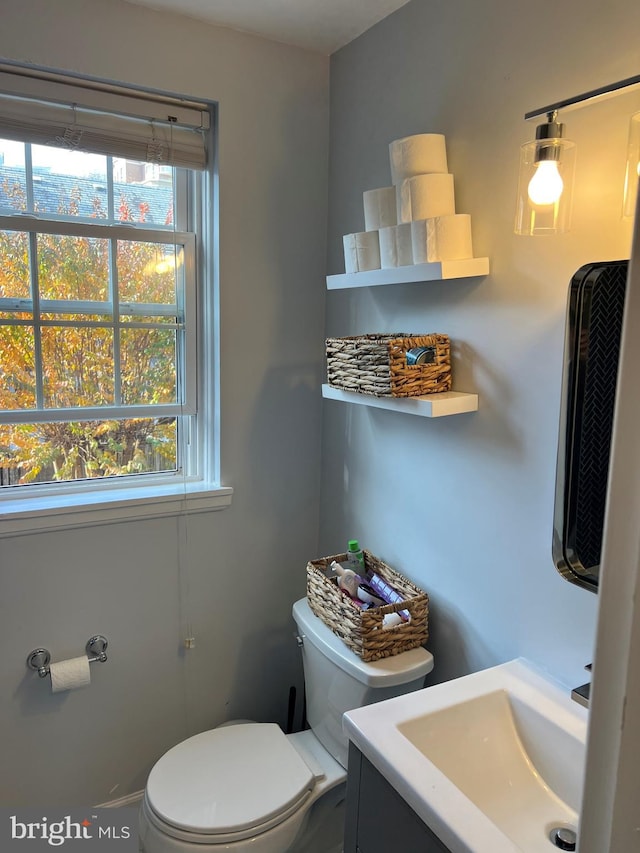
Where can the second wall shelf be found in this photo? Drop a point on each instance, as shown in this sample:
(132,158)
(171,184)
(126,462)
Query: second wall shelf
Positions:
(429,406)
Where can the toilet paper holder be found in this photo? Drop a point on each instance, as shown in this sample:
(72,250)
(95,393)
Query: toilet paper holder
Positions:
(39,659)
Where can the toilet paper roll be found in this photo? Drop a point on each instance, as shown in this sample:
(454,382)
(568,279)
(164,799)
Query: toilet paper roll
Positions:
(396,249)
(70,674)
(379,208)
(425,197)
(444,238)
(420,154)
(361,251)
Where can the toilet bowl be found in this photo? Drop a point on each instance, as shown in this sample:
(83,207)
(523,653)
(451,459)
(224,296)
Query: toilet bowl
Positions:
(218,790)
(251,788)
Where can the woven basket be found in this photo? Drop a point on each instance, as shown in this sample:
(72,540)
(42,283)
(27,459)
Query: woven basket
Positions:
(377,364)
(361,630)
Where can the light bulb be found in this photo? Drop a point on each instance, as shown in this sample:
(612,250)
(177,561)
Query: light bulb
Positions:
(546,186)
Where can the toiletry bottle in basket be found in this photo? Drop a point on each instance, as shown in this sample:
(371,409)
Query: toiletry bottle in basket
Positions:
(348,580)
(355,558)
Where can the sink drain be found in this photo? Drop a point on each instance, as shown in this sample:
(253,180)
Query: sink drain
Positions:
(563,838)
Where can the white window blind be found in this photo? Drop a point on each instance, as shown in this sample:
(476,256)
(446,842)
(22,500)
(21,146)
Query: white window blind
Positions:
(51,109)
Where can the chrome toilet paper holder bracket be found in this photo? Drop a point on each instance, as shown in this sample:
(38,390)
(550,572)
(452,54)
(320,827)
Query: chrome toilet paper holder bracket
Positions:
(39,659)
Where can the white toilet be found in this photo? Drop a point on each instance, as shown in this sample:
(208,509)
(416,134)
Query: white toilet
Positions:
(249,788)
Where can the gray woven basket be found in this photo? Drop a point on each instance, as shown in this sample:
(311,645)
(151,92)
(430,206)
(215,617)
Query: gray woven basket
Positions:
(377,364)
(361,630)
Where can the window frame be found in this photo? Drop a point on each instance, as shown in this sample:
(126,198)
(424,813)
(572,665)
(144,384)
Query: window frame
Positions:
(195,487)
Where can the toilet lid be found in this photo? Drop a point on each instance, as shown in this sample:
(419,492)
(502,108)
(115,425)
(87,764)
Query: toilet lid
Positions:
(229,779)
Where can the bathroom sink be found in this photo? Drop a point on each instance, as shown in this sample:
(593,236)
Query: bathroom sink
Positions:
(492,762)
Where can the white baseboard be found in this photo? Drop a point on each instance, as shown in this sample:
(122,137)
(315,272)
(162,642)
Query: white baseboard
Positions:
(129,800)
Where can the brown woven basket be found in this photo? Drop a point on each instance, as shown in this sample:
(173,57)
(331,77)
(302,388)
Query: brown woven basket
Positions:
(377,364)
(362,630)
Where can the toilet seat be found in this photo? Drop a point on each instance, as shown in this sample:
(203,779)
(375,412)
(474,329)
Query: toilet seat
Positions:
(219,786)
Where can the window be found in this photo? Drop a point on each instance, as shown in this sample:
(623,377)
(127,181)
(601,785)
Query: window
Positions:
(103,345)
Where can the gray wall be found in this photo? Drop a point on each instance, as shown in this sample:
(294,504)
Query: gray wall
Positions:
(464,505)
(235,573)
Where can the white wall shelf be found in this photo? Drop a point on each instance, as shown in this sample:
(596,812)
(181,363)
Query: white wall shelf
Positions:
(439,271)
(429,406)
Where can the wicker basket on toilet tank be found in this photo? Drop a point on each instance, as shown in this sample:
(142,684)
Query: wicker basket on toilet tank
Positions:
(383,364)
(362,630)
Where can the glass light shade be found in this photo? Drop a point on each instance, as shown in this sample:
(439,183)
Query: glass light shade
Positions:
(545,187)
(632,173)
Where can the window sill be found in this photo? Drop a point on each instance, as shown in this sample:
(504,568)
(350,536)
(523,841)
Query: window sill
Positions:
(39,515)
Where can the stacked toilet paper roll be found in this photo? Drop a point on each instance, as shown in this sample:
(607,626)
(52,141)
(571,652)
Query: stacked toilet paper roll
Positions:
(361,251)
(420,154)
(442,238)
(396,248)
(425,196)
(70,674)
(379,208)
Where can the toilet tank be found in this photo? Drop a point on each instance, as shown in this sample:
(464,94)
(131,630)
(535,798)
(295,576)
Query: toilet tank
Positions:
(336,680)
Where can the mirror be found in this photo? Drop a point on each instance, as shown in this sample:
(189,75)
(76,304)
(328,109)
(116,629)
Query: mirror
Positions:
(592,346)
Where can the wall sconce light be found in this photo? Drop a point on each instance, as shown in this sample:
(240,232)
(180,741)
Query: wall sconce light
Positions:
(632,173)
(547,165)
(545,185)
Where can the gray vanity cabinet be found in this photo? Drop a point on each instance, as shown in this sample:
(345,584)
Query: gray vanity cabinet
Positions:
(377,818)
